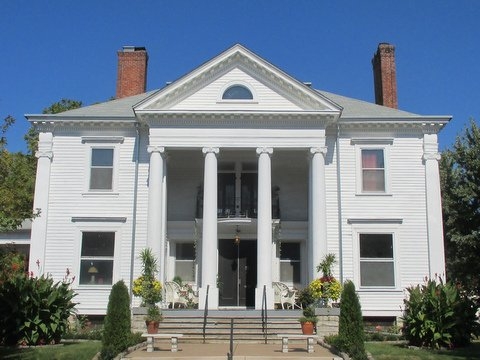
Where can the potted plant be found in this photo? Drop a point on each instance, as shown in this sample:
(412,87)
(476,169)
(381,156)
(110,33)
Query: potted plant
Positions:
(325,289)
(153,318)
(149,289)
(308,321)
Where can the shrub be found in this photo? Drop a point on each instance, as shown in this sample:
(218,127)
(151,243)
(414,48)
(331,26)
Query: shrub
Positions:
(35,310)
(351,336)
(117,326)
(439,315)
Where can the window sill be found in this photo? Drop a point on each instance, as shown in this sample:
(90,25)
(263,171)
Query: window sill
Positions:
(374,194)
(94,287)
(100,193)
(379,289)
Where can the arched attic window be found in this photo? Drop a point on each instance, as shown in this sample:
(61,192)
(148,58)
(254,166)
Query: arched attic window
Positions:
(237,92)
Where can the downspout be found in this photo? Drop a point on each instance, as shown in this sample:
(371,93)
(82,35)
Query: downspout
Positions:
(339,201)
(134,210)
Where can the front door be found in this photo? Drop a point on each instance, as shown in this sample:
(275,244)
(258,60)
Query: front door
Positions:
(237,272)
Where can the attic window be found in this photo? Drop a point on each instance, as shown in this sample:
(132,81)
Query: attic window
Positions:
(237,92)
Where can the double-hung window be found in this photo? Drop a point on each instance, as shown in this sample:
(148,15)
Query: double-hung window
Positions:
(185,261)
(377,267)
(373,170)
(96,258)
(372,159)
(101,169)
(290,263)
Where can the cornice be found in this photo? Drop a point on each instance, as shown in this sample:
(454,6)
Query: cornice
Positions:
(250,63)
(238,119)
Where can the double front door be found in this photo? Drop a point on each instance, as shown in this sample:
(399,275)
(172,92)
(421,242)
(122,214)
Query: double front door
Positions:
(237,272)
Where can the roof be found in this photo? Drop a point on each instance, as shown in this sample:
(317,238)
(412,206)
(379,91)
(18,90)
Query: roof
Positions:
(123,108)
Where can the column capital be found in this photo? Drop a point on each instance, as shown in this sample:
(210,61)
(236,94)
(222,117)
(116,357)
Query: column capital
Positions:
(44,154)
(318,150)
(155,148)
(431,156)
(207,150)
(264,150)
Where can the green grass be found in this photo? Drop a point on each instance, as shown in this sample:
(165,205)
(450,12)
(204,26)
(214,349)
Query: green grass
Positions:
(69,351)
(389,351)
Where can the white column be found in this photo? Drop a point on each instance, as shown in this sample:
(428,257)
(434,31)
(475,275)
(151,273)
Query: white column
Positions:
(209,232)
(163,237)
(155,205)
(434,206)
(317,245)
(40,202)
(264,231)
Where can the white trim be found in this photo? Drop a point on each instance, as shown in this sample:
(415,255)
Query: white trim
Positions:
(359,146)
(95,226)
(253,100)
(88,167)
(376,228)
(102,139)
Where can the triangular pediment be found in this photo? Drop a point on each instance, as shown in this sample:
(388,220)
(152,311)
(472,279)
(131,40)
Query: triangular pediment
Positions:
(273,90)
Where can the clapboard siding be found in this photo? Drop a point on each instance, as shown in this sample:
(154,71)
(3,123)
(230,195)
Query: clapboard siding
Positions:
(69,198)
(209,97)
(405,201)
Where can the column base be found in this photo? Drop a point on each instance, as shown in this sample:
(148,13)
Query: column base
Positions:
(259,297)
(212,297)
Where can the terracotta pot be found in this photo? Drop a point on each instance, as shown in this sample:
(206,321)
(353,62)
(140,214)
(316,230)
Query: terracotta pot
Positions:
(307,328)
(152,327)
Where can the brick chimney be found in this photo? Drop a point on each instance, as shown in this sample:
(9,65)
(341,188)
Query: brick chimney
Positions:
(132,71)
(384,76)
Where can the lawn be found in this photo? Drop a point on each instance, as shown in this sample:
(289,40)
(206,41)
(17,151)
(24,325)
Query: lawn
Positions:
(389,351)
(69,351)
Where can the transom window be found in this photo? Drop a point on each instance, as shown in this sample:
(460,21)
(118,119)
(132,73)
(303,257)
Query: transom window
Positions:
(185,261)
(237,92)
(373,170)
(96,262)
(101,170)
(290,263)
(376,260)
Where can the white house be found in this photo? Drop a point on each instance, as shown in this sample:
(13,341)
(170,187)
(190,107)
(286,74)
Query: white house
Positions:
(238,175)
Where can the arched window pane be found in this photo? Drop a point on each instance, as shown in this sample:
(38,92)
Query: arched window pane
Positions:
(237,92)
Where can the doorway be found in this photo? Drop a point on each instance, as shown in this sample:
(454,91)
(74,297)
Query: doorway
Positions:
(237,272)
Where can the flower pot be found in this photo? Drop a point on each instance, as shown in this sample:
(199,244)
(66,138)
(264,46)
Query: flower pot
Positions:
(152,326)
(307,327)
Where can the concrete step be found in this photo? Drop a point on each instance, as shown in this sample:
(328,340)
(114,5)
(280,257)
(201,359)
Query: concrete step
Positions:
(247,325)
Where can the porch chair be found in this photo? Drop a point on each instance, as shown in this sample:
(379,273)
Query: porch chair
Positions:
(285,297)
(174,295)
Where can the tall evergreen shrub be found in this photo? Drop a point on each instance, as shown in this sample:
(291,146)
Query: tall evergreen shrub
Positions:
(351,337)
(117,325)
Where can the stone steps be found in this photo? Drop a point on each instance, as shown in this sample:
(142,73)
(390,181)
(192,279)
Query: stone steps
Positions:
(246,327)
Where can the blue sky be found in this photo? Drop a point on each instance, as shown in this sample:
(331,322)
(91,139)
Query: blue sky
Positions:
(64,49)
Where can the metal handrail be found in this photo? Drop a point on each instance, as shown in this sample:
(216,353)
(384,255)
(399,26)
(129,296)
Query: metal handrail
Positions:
(230,354)
(205,314)
(264,313)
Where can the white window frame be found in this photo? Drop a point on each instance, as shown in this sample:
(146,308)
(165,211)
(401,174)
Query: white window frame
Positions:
(372,144)
(195,267)
(299,261)
(376,226)
(91,224)
(220,98)
(101,142)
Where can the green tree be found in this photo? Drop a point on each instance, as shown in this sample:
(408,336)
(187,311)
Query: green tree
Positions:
(17,171)
(117,333)
(351,337)
(460,183)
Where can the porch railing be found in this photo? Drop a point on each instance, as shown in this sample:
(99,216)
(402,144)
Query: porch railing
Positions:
(205,314)
(264,313)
